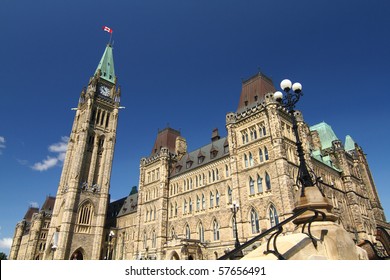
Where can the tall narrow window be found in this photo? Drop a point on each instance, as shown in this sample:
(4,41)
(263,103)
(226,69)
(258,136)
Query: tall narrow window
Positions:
(259,184)
(250,159)
(217,199)
(266,153)
(254,221)
(188,232)
(211,199)
(251,186)
(175,209)
(107,119)
(201,232)
(245,160)
(261,158)
(190,206)
(145,243)
(215,230)
(203,202)
(230,195)
(267,181)
(273,216)
(185,207)
(102,118)
(226,171)
(197,203)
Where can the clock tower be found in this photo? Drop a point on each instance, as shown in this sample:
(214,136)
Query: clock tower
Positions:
(77,225)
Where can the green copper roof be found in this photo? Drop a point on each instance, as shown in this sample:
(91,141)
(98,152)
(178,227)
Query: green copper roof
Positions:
(325,131)
(349,143)
(106,65)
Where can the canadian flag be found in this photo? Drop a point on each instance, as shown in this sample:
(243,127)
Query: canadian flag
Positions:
(107,29)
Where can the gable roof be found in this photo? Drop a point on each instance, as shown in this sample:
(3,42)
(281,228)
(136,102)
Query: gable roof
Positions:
(217,147)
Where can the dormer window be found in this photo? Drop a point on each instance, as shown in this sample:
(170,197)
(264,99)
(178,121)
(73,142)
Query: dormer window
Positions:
(225,149)
(189,164)
(178,168)
(200,159)
(246,103)
(213,153)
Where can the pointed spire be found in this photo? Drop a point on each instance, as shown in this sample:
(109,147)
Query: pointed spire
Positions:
(106,65)
(349,143)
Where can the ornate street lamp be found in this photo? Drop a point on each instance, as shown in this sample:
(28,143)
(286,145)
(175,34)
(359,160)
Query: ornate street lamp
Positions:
(110,237)
(288,101)
(311,196)
(234,208)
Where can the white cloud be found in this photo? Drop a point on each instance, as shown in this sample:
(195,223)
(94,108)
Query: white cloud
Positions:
(60,147)
(2,144)
(5,243)
(50,161)
(47,163)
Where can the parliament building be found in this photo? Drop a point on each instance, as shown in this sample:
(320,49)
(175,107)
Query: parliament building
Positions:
(195,204)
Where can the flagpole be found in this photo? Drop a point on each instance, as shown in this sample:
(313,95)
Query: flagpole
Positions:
(109,42)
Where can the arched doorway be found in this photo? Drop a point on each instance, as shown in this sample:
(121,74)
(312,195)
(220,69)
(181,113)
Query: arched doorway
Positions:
(77,255)
(174,256)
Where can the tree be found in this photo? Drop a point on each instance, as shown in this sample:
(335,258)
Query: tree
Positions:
(3,256)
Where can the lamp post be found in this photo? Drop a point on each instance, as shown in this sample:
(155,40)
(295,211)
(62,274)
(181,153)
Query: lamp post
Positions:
(311,196)
(110,237)
(234,208)
(292,96)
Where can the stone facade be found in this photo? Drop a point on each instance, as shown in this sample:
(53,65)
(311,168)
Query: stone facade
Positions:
(185,198)
(183,207)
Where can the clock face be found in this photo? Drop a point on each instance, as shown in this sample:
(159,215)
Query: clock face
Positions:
(103,90)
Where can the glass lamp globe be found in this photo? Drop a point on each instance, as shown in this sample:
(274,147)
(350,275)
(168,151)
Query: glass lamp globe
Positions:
(297,87)
(286,85)
(278,95)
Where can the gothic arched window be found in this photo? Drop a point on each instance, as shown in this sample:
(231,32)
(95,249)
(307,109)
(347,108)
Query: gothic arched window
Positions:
(250,159)
(259,184)
(230,195)
(251,186)
(201,232)
(215,230)
(267,181)
(261,157)
(273,216)
(188,232)
(84,219)
(254,221)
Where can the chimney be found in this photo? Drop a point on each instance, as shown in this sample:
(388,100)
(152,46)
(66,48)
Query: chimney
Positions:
(215,135)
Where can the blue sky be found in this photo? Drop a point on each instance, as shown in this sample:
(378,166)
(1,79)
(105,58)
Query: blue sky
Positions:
(181,62)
